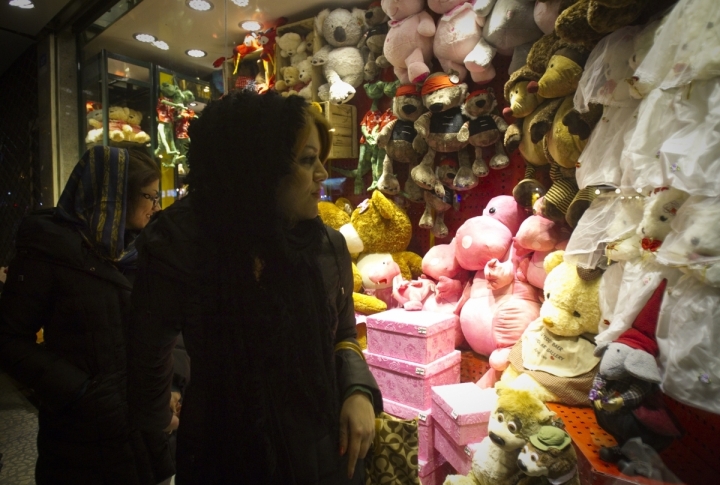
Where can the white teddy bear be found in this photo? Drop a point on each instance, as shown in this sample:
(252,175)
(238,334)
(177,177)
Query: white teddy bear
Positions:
(292,47)
(343,63)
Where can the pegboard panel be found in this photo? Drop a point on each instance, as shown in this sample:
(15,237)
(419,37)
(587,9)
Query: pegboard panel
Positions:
(588,437)
(472,202)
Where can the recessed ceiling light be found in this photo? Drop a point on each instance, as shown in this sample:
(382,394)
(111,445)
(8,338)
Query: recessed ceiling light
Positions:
(22,3)
(195,53)
(241,3)
(161,44)
(200,5)
(251,25)
(145,38)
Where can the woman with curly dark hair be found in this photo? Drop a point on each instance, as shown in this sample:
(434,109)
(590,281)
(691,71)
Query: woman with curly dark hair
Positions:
(262,292)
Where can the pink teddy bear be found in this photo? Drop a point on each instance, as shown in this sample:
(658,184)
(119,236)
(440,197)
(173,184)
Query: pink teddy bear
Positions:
(408,44)
(458,32)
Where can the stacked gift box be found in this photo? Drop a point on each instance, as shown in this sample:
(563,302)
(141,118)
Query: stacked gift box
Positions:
(409,353)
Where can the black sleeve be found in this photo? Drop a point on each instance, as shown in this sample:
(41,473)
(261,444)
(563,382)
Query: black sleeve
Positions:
(25,306)
(352,368)
(157,321)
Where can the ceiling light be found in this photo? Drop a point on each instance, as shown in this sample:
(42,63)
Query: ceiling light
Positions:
(200,5)
(251,25)
(22,3)
(241,3)
(161,44)
(145,38)
(196,53)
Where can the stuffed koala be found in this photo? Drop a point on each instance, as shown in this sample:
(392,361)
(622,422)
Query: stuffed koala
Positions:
(342,62)
(485,129)
(443,130)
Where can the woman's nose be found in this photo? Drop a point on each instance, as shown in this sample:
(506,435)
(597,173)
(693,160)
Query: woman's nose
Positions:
(320,172)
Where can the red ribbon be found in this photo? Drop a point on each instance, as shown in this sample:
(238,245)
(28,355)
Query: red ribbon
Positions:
(651,245)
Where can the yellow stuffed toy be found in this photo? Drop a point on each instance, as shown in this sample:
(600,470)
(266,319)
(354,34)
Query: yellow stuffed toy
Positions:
(555,356)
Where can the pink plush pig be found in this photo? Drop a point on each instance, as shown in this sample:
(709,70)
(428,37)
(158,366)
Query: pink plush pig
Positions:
(450,279)
(536,238)
(497,306)
(413,294)
(408,45)
(458,32)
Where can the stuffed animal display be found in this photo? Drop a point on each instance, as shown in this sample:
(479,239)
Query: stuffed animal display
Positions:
(123,126)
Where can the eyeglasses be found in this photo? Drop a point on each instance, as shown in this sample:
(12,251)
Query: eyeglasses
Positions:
(155,199)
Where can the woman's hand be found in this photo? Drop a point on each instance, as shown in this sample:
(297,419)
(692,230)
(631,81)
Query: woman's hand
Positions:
(357,428)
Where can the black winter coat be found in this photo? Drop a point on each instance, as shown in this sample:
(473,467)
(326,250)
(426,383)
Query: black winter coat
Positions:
(171,299)
(79,374)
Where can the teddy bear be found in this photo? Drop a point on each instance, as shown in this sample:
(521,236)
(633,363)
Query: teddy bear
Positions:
(641,275)
(457,34)
(117,116)
(485,128)
(380,232)
(290,82)
(409,42)
(341,60)
(292,47)
(132,131)
(517,416)
(555,358)
(336,215)
(509,30)
(397,135)
(625,394)
(373,40)
(443,130)
(433,218)
(305,75)
(549,453)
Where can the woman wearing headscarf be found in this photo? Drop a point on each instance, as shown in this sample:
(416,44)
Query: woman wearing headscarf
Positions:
(72,276)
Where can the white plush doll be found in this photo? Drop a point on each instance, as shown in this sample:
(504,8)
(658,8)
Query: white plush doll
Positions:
(292,47)
(343,63)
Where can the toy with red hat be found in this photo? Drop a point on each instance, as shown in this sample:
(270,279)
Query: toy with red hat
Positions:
(625,393)
(443,130)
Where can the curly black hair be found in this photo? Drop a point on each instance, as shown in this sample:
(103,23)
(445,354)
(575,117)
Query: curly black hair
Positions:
(271,292)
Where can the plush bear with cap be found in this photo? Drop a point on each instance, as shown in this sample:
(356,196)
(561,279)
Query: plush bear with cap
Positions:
(485,128)
(396,137)
(555,356)
(549,453)
(409,42)
(517,416)
(625,393)
(341,60)
(443,130)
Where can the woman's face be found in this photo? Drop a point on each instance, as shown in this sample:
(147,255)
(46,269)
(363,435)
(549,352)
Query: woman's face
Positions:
(147,203)
(298,193)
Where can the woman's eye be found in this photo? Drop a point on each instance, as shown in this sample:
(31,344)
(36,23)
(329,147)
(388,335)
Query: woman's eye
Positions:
(308,160)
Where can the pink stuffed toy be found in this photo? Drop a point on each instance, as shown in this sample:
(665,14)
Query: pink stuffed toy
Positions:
(497,307)
(458,32)
(450,279)
(408,45)
(536,238)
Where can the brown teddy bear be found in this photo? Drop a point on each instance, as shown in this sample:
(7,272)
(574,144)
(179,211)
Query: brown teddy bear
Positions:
(485,128)
(373,40)
(396,138)
(440,128)
(549,454)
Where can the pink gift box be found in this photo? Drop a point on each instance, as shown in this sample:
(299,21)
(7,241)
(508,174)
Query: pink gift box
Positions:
(459,456)
(421,336)
(434,472)
(409,383)
(463,411)
(425,424)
